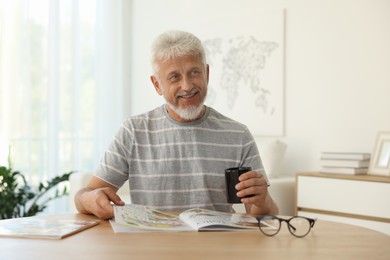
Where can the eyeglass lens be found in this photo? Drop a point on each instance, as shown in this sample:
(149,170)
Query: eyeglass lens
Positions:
(298,226)
(269,225)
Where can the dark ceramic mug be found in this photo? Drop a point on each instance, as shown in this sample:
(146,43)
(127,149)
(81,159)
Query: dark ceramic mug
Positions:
(231,177)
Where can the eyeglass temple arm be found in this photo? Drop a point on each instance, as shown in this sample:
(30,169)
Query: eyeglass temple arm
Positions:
(288,223)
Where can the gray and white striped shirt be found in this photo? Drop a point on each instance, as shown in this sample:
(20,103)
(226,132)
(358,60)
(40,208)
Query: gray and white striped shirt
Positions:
(176,166)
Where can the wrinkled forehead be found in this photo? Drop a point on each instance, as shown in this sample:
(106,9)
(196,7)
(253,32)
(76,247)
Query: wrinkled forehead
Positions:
(179,63)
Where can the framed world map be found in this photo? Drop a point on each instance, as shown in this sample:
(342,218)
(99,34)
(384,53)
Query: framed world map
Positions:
(246,59)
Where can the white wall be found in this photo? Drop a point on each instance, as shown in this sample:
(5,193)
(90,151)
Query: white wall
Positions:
(337,71)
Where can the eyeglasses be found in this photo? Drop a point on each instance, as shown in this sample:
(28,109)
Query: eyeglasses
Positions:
(298,226)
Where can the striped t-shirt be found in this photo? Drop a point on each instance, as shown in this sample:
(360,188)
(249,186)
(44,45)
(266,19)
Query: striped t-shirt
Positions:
(174,165)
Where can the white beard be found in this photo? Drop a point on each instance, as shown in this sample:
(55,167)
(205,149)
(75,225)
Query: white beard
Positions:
(189,113)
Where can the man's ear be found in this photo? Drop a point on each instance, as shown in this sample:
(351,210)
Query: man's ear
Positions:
(156,85)
(207,72)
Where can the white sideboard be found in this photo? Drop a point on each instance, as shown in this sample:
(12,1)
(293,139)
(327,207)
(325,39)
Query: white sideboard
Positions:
(362,200)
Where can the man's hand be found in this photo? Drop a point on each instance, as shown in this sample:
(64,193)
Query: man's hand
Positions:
(253,183)
(97,198)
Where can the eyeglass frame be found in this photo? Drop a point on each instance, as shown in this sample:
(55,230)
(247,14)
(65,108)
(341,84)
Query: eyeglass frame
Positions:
(310,220)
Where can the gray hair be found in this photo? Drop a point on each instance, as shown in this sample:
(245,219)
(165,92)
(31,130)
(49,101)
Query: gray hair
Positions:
(173,44)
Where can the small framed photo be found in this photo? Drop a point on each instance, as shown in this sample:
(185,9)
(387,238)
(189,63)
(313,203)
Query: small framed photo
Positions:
(380,160)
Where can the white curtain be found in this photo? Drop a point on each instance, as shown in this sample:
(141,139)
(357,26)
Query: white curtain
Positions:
(63,80)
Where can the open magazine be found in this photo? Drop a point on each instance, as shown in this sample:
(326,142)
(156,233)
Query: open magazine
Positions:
(133,218)
(40,227)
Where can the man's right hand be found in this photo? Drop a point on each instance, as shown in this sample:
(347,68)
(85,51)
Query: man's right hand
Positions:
(98,199)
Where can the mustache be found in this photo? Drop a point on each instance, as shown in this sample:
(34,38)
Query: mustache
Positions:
(193,91)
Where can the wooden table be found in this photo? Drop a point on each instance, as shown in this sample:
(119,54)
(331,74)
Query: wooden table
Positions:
(327,240)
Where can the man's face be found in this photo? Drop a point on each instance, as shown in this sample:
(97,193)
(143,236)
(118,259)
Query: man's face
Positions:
(183,83)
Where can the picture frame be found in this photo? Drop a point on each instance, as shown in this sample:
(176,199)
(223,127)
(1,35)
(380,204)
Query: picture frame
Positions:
(380,160)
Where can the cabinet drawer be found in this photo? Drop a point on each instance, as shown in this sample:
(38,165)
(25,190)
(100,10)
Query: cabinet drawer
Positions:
(382,227)
(345,196)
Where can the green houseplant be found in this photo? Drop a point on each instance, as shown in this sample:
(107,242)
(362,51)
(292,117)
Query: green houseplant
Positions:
(19,199)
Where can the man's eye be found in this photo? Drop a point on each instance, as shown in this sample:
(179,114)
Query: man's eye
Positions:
(173,77)
(195,72)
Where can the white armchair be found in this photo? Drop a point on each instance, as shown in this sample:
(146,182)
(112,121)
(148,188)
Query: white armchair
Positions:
(281,189)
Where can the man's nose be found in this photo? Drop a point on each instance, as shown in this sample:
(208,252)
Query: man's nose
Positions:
(186,84)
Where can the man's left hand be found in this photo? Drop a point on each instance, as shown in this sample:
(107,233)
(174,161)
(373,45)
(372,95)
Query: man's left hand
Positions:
(253,184)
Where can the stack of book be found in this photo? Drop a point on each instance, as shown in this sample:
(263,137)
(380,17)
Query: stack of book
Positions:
(345,163)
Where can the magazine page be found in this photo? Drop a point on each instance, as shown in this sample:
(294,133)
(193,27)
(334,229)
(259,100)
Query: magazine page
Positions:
(143,218)
(37,227)
(203,219)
